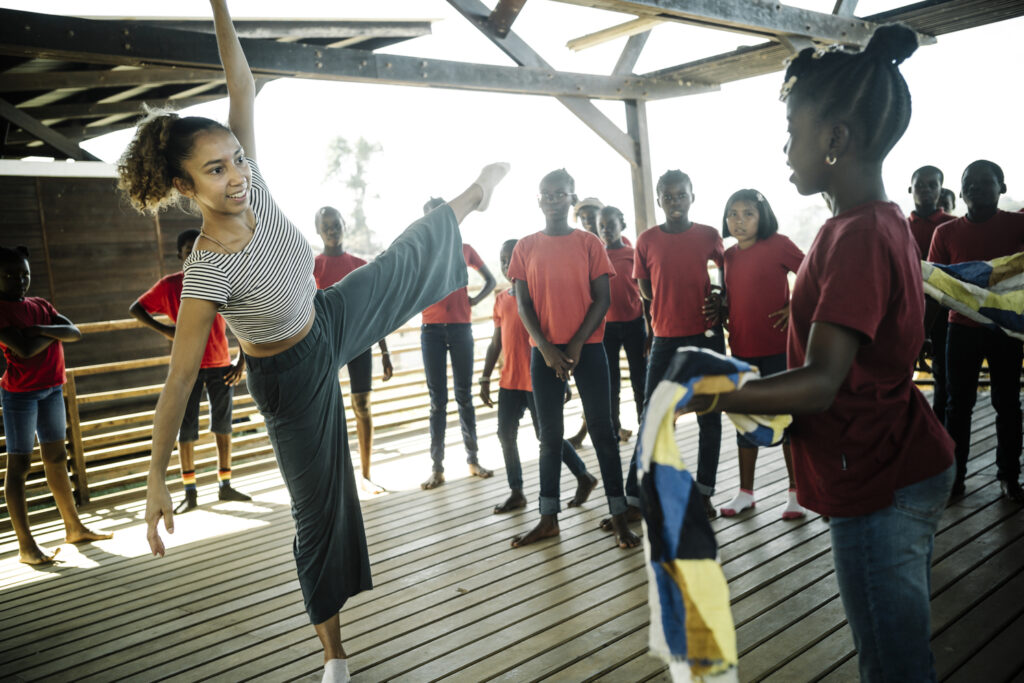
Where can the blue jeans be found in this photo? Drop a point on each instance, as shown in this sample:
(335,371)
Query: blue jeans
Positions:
(629,335)
(27,413)
(549,393)
(512,403)
(709,443)
(966,347)
(438,341)
(883,567)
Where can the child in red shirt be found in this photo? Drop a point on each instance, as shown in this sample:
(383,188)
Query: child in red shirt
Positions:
(328,268)
(624,327)
(757,287)
(561,285)
(515,395)
(672,270)
(868,450)
(217,374)
(31,332)
(983,234)
(447,331)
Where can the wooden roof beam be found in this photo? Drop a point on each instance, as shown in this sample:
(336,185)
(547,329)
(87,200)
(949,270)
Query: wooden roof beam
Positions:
(103,78)
(43,132)
(503,16)
(295,29)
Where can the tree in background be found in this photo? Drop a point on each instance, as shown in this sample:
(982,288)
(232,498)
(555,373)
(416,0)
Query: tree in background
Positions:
(349,163)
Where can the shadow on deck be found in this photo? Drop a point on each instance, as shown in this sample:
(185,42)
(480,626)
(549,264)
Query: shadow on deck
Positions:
(452,599)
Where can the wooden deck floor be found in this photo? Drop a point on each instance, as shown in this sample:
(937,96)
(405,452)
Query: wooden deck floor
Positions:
(453,601)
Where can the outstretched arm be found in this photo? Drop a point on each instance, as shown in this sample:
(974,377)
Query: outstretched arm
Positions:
(241,85)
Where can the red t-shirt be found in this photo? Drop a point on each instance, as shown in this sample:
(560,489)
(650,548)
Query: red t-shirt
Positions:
(924,227)
(43,370)
(330,269)
(879,434)
(558,271)
(625,293)
(515,343)
(165,297)
(455,307)
(757,285)
(677,266)
(962,240)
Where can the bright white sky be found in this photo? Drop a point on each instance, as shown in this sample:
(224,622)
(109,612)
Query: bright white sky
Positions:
(966,90)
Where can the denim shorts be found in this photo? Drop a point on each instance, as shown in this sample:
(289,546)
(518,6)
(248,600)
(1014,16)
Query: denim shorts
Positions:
(28,413)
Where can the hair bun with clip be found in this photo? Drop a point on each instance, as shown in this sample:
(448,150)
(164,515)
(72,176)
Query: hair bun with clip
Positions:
(892,42)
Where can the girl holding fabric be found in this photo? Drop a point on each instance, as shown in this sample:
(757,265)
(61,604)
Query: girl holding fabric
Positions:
(253,266)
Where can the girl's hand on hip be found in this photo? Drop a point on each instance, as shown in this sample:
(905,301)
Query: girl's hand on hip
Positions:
(781,318)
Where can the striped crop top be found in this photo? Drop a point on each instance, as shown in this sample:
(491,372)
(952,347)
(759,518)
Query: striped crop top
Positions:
(265,291)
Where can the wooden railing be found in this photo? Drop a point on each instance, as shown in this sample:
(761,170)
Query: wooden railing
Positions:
(109,455)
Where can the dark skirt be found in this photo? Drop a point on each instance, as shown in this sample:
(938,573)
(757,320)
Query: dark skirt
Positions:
(297,392)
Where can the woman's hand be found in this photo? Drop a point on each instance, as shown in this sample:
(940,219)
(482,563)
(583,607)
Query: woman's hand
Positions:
(781,318)
(235,371)
(485,392)
(714,306)
(389,369)
(158,504)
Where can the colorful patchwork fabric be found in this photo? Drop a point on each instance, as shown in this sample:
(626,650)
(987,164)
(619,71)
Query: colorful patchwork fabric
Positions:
(988,292)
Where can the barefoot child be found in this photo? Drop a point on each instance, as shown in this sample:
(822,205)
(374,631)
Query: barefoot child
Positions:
(31,333)
(253,265)
(868,450)
(757,288)
(328,268)
(515,395)
(671,268)
(561,287)
(624,327)
(217,374)
(447,330)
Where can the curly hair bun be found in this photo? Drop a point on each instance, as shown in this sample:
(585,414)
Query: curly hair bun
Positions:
(892,42)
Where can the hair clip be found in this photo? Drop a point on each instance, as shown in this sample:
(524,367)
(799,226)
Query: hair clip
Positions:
(787,87)
(760,197)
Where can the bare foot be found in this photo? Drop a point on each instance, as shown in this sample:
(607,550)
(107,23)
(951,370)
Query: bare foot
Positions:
(36,556)
(623,536)
(624,435)
(633,514)
(478,470)
(547,527)
(435,480)
(368,486)
(584,485)
(83,535)
(516,501)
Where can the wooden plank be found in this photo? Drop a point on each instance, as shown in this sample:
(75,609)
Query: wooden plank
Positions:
(32,125)
(81,475)
(998,660)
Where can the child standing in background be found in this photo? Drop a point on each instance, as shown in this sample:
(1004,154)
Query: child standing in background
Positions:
(515,395)
(328,268)
(31,333)
(757,287)
(217,373)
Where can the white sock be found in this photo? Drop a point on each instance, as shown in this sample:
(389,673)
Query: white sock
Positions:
(336,671)
(488,179)
(743,500)
(794,510)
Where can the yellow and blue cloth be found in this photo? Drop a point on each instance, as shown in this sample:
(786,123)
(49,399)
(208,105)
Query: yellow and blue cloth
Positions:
(988,292)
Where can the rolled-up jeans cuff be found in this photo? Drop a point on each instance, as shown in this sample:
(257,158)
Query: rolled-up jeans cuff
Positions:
(616,504)
(633,501)
(705,489)
(549,505)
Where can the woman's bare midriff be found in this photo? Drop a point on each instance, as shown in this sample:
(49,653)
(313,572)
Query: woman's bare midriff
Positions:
(274,348)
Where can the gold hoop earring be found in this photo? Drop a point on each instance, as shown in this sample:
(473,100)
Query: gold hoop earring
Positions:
(831,160)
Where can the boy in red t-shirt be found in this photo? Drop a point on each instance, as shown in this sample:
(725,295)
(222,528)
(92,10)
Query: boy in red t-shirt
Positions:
(217,374)
(515,395)
(31,332)
(328,268)
(446,331)
(983,234)
(672,270)
(926,188)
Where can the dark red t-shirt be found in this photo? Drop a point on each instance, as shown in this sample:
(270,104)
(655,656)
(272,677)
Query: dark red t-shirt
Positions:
(165,297)
(625,293)
(677,266)
(330,269)
(879,434)
(515,343)
(757,285)
(455,307)
(962,240)
(558,271)
(922,228)
(43,370)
